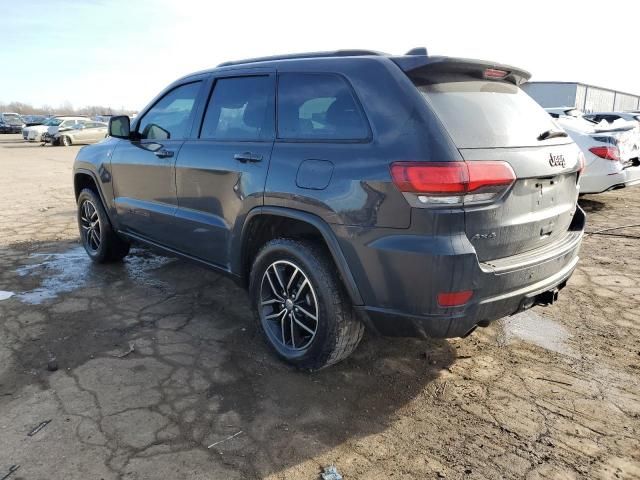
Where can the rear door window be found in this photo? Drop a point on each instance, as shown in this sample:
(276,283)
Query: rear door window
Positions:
(318,107)
(241,109)
(488,114)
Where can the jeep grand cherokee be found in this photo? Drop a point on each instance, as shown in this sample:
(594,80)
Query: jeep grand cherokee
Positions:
(412,195)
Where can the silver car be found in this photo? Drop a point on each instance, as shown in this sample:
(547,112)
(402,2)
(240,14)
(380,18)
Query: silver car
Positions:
(88,132)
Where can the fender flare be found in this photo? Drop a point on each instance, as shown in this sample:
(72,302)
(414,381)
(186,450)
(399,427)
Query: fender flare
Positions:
(327,234)
(92,174)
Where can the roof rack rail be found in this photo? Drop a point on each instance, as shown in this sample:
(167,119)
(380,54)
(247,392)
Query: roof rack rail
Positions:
(334,53)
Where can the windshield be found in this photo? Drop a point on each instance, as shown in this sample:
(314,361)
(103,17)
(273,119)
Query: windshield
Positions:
(488,114)
(12,118)
(53,122)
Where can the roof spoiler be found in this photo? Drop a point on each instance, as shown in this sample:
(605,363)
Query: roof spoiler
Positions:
(425,69)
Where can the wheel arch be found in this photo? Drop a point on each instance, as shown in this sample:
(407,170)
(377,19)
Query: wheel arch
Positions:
(86,179)
(255,232)
(83,178)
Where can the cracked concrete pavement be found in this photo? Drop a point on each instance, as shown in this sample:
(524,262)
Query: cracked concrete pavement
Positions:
(552,393)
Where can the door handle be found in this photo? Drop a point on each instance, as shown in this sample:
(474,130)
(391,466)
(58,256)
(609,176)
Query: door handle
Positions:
(247,157)
(163,153)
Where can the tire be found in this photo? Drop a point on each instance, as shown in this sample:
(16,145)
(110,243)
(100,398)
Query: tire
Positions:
(99,240)
(336,331)
(65,141)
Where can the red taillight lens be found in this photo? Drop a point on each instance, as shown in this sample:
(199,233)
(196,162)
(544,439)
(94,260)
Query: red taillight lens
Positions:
(421,177)
(494,73)
(454,299)
(608,153)
(451,182)
(489,174)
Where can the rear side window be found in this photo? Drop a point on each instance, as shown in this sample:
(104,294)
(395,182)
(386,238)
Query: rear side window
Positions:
(240,108)
(170,117)
(487,114)
(318,107)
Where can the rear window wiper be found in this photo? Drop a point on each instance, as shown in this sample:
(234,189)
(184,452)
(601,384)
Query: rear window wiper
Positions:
(552,134)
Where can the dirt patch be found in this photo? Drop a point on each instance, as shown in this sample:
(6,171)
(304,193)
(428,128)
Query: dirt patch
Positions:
(552,393)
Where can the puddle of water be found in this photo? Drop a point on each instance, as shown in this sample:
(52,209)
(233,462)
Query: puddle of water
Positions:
(62,272)
(533,328)
(66,272)
(4,295)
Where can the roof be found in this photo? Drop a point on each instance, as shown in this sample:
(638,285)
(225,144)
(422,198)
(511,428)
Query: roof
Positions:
(414,60)
(297,56)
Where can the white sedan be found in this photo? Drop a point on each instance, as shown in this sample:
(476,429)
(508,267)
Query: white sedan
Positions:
(36,133)
(607,166)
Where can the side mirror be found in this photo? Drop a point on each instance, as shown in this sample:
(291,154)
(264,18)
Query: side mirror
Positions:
(120,126)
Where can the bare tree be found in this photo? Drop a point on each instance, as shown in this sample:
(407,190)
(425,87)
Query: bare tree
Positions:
(66,108)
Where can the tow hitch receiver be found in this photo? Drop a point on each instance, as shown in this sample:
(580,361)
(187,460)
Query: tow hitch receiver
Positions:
(547,298)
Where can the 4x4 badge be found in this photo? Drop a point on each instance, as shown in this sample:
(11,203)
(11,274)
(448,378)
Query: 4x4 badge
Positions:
(556,160)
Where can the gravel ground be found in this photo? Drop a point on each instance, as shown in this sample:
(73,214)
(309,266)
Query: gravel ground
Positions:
(551,393)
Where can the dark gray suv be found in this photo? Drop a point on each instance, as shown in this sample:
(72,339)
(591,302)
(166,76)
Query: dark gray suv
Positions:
(413,195)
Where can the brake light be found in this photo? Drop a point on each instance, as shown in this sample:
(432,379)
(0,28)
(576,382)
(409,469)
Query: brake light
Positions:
(608,153)
(453,182)
(454,299)
(494,73)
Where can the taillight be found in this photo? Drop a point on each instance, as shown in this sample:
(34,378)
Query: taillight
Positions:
(453,182)
(608,153)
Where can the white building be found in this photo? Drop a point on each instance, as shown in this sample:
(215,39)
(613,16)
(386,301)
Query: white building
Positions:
(587,98)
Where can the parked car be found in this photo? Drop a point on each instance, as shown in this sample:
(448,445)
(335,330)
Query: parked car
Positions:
(10,123)
(80,133)
(31,120)
(611,155)
(415,195)
(612,117)
(102,118)
(627,133)
(51,126)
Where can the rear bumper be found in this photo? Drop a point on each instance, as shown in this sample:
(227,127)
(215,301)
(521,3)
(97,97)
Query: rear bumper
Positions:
(627,177)
(395,323)
(502,288)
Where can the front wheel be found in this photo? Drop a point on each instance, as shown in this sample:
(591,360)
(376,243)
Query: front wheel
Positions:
(99,240)
(301,304)
(65,141)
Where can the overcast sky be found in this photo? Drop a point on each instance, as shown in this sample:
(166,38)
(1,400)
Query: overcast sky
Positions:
(122,52)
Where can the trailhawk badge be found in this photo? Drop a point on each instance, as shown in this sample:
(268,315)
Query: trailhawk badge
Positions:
(556,160)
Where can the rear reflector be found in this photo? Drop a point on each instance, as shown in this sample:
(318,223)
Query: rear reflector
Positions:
(494,73)
(454,299)
(608,153)
(453,182)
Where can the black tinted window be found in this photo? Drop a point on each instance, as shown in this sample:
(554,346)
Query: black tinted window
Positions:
(170,117)
(488,114)
(318,106)
(240,108)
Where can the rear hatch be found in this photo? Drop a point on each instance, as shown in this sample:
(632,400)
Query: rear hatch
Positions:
(490,119)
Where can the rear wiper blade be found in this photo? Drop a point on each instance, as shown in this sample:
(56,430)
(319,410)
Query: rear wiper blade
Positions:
(552,134)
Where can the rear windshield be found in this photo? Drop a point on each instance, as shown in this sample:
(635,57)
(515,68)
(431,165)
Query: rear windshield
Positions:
(487,114)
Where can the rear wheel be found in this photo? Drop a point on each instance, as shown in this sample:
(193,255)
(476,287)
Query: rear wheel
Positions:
(301,304)
(65,141)
(99,240)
